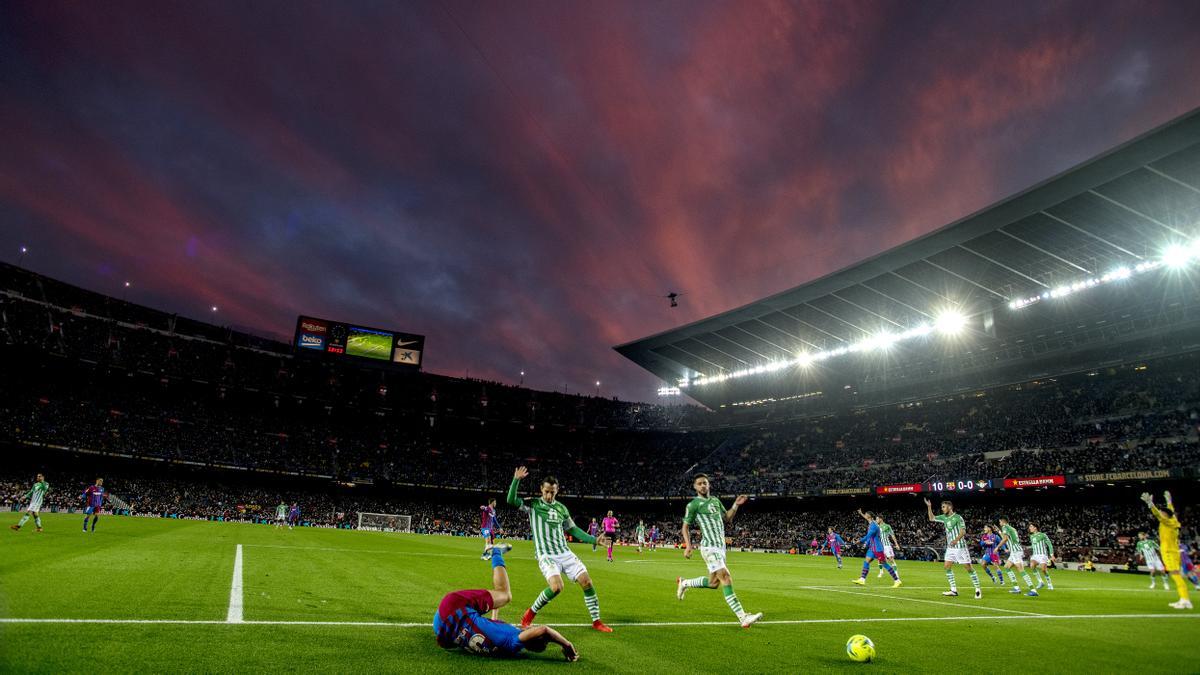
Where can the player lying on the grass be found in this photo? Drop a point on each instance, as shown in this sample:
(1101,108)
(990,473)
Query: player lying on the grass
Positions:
(1168,537)
(547,520)
(460,620)
(956,545)
(835,543)
(93,499)
(1147,548)
(1043,555)
(989,543)
(710,515)
(874,542)
(1016,558)
(36,495)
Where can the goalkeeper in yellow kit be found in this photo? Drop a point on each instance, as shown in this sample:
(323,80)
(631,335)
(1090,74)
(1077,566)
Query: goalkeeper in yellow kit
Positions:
(1168,536)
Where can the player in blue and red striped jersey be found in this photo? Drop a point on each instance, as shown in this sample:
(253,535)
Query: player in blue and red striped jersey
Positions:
(874,542)
(460,620)
(834,542)
(488,526)
(594,531)
(653,537)
(294,516)
(991,557)
(93,501)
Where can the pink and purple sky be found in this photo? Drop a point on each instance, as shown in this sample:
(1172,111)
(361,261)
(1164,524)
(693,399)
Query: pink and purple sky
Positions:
(522,181)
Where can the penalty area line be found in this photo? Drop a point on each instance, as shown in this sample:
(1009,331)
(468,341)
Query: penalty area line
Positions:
(632,624)
(234,615)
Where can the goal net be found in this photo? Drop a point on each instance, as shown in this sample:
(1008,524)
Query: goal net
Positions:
(384,522)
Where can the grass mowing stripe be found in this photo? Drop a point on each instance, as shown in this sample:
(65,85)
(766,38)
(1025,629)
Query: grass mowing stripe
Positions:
(234,615)
(631,624)
(928,602)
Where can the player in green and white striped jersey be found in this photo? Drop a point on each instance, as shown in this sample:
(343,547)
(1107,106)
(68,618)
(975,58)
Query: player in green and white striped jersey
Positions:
(1016,558)
(889,539)
(956,545)
(1148,549)
(548,518)
(639,533)
(707,512)
(1043,553)
(36,495)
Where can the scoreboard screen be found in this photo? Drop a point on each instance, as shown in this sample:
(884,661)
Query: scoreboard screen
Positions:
(341,340)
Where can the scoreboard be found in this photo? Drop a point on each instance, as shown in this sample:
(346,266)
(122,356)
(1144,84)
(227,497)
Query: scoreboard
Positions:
(351,342)
(938,485)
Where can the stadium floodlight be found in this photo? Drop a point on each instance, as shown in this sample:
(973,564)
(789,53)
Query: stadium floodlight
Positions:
(214,308)
(126,284)
(1177,256)
(24,249)
(950,322)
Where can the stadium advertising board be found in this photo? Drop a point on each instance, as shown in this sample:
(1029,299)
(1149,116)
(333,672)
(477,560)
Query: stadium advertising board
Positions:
(1038,481)
(358,343)
(1124,475)
(846,491)
(899,488)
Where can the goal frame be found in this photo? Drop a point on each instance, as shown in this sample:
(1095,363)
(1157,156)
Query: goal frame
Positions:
(384,522)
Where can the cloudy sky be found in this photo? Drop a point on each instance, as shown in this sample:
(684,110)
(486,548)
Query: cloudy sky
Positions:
(521,181)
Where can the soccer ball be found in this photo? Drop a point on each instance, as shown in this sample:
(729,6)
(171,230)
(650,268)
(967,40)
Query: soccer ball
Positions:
(860,648)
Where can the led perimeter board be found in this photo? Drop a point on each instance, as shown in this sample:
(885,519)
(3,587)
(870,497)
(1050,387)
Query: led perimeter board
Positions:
(338,340)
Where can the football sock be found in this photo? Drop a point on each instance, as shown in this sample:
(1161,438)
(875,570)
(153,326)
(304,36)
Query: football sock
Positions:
(1028,581)
(592,602)
(542,599)
(1012,577)
(731,599)
(975,579)
(497,558)
(85,519)
(1048,582)
(24,519)
(950,578)
(866,568)
(37,520)
(892,571)
(698,582)
(989,573)
(1180,586)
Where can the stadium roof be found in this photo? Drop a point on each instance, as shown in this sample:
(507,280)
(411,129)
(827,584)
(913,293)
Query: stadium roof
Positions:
(1114,212)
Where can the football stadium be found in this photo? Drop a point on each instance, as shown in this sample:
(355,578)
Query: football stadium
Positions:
(976,450)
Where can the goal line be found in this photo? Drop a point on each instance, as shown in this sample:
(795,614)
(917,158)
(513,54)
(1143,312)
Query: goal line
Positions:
(629,624)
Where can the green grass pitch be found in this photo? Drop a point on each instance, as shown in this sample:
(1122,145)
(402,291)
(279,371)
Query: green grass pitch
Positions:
(350,601)
(369,345)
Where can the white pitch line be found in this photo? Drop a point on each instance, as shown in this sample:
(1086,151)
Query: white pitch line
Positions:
(928,602)
(731,624)
(235,590)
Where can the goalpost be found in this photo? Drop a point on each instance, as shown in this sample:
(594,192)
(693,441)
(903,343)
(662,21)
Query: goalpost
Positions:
(384,522)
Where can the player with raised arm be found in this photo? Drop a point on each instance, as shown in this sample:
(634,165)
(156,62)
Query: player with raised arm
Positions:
(874,543)
(93,500)
(460,621)
(835,543)
(639,533)
(548,518)
(989,542)
(487,526)
(1148,549)
(707,512)
(33,509)
(956,545)
(1168,538)
(1043,554)
(889,538)
(281,515)
(1016,558)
